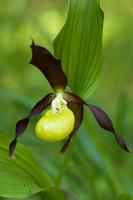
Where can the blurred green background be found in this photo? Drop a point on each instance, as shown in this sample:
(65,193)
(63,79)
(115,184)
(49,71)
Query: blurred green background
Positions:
(98,169)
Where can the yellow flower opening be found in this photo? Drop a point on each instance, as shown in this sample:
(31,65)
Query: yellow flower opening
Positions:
(55,127)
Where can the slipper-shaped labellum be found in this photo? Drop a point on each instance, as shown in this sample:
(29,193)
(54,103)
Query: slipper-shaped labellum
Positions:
(65,116)
(55,126)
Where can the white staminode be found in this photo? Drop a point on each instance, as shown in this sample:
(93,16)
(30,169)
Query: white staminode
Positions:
(57,102)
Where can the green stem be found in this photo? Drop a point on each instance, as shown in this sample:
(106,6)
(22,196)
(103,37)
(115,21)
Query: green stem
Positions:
(65,164)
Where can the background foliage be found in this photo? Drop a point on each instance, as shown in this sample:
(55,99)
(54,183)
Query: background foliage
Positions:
(98,168)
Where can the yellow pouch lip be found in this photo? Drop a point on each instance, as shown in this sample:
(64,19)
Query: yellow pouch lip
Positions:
(55,127)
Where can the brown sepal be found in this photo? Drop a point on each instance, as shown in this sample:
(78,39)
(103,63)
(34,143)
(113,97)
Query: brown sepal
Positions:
(49,66)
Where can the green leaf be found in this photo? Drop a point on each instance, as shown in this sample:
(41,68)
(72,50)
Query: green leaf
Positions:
(125,197)
(22,177)
(53,194)
(78,45)
(48,194)
(89,147)
(34,197)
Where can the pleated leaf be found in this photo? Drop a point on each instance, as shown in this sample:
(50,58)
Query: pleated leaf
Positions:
(22,177)
(78,45)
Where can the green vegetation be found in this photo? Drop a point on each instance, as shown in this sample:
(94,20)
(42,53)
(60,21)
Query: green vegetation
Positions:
(94,167)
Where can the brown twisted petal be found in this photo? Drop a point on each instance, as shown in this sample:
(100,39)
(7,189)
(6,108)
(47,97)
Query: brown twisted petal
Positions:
(101,117)
(22,124)
(49,66)
(78,113)
(75,103)
(104,121)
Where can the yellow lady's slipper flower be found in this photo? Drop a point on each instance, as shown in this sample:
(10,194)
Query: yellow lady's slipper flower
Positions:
(66,113)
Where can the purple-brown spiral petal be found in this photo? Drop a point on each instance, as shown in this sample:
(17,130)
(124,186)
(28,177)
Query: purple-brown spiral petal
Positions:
(78,113)
(22,124)
(104,121)
(101,117)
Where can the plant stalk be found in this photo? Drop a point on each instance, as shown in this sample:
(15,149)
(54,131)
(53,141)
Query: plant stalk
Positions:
(65,164)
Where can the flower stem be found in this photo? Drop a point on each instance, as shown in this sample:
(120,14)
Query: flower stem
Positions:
(65,164)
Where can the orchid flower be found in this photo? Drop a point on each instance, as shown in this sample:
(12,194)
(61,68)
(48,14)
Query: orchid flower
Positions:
(66,113)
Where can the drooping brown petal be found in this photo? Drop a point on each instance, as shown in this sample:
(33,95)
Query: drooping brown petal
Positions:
(23,123)
(101,117)
(66,144)
(104,121)
(21,126)
(49,66)
(78,113)
(77,109)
